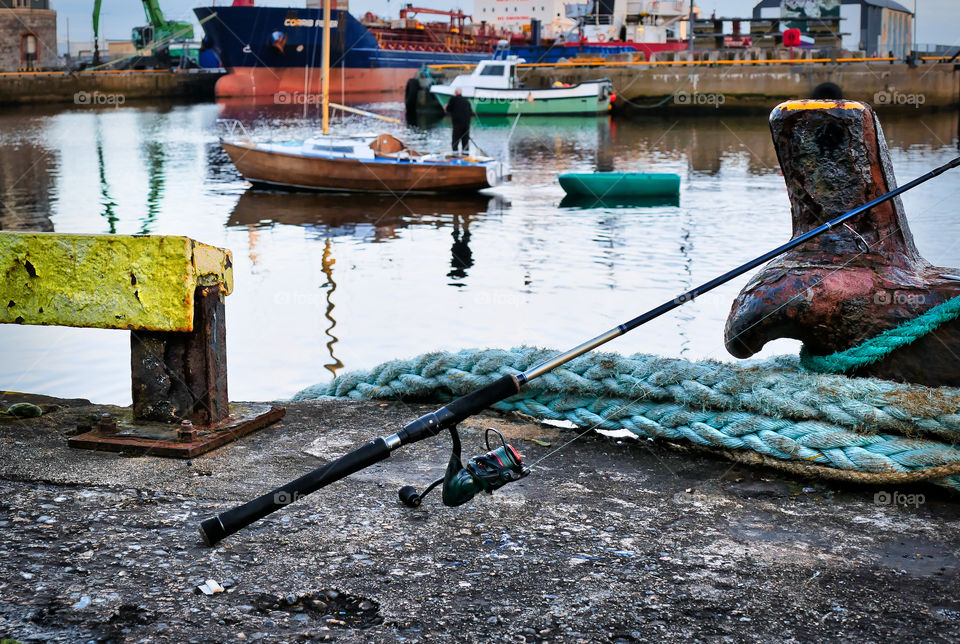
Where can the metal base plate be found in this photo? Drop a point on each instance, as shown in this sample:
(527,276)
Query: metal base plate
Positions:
(145,438)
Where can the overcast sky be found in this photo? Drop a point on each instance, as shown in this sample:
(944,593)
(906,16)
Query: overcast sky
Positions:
(939,20)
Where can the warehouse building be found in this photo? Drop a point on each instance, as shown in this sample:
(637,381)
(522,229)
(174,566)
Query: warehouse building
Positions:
(876,27)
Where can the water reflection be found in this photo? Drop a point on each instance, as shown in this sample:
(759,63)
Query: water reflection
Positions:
(330,286)
(152,127)
(686,316)
(106,200)
(545,137)
(546,145)
(375,217)
(220,168)
(461,256)
(306,107)
(713,141)
(920,131)
(588,202)
(26,187)
(606,160)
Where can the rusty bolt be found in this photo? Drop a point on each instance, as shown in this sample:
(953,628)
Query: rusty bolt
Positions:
(107,424)
(187,432)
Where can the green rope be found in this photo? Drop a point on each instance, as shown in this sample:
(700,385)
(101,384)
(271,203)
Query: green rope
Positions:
(856,428)
(880,346)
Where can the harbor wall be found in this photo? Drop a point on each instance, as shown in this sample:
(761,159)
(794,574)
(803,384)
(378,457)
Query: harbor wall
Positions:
(106,88)
(752,87)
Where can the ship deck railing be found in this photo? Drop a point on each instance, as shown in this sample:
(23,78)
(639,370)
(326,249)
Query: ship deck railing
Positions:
(705,63)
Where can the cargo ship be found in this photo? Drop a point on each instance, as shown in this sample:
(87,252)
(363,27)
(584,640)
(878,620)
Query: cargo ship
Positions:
(275,51)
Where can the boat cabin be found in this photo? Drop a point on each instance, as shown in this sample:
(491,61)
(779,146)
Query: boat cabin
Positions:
(342,147)
(490,74)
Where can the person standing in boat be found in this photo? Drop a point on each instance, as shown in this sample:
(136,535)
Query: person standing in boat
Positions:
(460,113)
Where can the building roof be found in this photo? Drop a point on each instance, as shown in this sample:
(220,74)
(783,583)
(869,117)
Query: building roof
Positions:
(886,4)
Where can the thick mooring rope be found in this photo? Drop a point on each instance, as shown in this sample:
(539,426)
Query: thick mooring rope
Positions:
(882,345)
(860,429)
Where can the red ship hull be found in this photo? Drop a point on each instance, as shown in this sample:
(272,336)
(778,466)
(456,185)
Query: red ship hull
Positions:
(293,85)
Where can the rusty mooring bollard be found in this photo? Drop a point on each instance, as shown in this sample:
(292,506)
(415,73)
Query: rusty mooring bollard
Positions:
(852,283)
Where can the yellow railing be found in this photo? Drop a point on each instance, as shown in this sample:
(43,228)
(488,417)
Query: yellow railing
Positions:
(705,63)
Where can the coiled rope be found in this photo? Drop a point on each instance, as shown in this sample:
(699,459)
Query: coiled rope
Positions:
(882,345)
(770,412)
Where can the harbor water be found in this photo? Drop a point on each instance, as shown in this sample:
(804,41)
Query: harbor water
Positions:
(328,283)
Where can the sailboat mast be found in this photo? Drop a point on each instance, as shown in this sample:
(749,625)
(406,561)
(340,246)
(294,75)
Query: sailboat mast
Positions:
(325,63)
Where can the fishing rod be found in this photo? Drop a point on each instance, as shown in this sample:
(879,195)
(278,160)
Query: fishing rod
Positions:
(513,127)
(502,464)
(476,145)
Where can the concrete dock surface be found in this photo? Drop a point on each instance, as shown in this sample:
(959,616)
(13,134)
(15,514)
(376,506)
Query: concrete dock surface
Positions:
(608,540)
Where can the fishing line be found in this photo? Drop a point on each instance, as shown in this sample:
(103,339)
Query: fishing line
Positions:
(501,465)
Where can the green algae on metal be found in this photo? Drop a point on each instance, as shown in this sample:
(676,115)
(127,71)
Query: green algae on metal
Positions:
(140,282)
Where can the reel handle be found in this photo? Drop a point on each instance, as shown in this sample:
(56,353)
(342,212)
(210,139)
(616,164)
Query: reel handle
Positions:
(409,497)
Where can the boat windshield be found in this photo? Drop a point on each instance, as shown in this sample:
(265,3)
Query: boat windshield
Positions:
(343,149)
(492,70)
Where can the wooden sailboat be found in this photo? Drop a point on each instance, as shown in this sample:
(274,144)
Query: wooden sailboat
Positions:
(346,164)
(364,163)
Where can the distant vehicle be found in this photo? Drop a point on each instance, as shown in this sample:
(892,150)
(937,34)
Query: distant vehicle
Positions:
(165,38)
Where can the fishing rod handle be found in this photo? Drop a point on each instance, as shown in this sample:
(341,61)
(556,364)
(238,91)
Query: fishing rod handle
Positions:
(462,408)
(226,523)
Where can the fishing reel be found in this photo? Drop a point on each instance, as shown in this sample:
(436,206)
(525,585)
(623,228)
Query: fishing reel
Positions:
(485,473)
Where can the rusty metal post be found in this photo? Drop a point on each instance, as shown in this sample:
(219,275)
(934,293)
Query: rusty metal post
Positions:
(183,376)
(858,280)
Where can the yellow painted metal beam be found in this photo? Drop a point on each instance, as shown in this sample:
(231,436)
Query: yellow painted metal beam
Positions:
(814,104)
(142,282)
